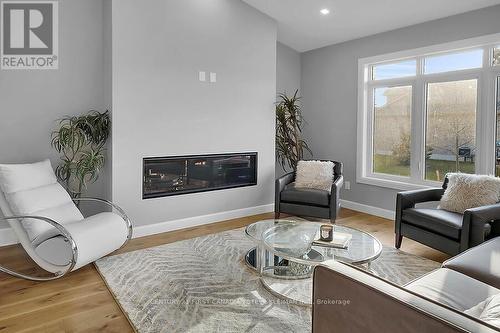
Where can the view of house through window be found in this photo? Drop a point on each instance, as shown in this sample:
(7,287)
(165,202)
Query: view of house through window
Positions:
(450,128)
(422,116)
(391,130)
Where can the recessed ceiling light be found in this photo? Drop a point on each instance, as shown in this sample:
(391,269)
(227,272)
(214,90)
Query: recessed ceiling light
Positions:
(325,11)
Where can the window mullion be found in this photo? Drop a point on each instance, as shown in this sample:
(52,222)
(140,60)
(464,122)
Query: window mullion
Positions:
(418,125)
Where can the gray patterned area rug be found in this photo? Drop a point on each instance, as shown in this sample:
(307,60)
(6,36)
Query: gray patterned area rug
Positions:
(203,285)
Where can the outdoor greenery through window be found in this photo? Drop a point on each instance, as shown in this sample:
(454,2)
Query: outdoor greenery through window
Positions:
(391,130)
(426,115)
(451,128)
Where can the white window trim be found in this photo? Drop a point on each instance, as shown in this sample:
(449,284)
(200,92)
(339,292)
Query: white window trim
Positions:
(485,121)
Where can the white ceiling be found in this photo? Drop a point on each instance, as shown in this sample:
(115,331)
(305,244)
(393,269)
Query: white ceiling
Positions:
(302,27)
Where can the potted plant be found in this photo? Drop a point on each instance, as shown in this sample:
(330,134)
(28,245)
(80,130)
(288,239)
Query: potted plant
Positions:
(81,142)
(290,146)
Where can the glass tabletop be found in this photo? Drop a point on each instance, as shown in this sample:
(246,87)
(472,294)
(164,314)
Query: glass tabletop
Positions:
(291,239)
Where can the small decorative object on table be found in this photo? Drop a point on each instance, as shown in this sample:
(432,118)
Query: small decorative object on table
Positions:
(329,238)
(326,233)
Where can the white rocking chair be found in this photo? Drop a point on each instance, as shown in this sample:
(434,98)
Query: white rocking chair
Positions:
(48,224)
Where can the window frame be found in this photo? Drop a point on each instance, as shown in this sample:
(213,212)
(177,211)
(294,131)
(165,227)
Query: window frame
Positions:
(485,120)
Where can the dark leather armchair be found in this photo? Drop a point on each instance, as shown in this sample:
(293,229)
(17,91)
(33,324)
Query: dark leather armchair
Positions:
(309,202)
(445,231)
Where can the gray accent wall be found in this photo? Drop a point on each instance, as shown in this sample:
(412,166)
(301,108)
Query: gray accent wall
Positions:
(288,72)
(31,101)
(160,108)
(330,87)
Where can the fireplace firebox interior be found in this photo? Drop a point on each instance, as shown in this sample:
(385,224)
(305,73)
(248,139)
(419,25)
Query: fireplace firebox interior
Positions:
(165,176)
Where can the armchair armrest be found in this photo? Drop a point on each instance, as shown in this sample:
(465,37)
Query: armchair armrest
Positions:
(474,222)
(114,206)
(280,184)
(337,184)
(408,199)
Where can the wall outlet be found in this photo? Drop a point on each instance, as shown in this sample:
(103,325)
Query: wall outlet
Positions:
(213,77)
(347,185)
(202,76)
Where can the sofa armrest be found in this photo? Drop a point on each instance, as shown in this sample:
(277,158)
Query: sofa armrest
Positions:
(280,184)
(476,262)
(408,199)
(474,222)
(347,299)
(337,185)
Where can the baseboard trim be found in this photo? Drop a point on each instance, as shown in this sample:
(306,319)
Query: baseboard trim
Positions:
(372,210)
(157,228)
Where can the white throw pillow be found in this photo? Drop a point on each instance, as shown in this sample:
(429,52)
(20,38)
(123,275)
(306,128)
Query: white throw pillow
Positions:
(314,174)
(469,191)
(487,311)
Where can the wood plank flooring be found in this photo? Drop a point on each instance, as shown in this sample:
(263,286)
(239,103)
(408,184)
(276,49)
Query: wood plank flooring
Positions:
(81,302)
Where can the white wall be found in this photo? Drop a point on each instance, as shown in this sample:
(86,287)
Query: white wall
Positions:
(288,69)
(161,109)
(31,101)
(288,72)
(329,88)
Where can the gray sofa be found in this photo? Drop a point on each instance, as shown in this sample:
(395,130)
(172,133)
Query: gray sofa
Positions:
(348,299)
(308,202)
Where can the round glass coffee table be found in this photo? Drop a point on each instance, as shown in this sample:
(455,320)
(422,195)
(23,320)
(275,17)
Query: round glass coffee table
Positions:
(285,270)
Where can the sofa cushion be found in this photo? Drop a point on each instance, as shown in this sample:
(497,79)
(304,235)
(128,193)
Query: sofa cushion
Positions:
(480,262)
(20,177)
(452,289)
(439,221)
(305,195)
(487,310)
(314,175)
(469,191)
(32,189)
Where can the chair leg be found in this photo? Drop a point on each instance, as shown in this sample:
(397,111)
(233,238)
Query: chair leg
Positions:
(398,241)
(332,220)
(276,215)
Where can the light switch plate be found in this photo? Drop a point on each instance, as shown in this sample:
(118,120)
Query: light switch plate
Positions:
(213,77)
(347,185)
(202,76)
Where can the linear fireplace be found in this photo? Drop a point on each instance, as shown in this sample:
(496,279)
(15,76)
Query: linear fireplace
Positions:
(165,176)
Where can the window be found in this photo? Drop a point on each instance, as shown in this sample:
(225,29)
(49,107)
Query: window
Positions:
(391,130)
(426,112)
(450,141)
(453,61)
(394,70)
(496,56)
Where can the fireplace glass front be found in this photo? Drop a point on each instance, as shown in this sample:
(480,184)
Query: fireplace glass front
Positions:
(166,176)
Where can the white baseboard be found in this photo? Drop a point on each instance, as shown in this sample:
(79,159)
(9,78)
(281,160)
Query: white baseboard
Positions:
(380,212)
(157,228)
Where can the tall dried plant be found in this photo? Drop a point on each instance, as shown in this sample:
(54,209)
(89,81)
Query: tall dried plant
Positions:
(290,146)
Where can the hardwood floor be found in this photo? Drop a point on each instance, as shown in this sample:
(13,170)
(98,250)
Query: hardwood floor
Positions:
(81,302)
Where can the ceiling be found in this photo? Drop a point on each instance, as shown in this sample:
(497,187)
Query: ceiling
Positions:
(302,26)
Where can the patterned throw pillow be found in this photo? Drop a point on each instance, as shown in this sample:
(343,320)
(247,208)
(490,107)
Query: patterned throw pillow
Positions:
(314,174)
(469,191)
